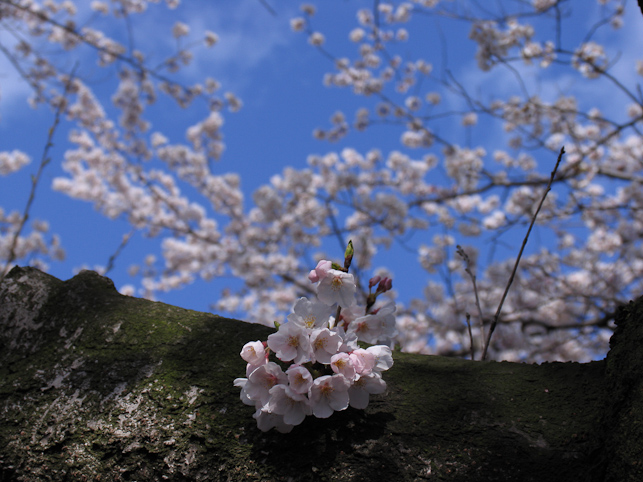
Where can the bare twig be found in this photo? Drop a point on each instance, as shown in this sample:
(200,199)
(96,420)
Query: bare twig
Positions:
(115,254)
(473,349)
(522,248)
(460,250)
(268,7)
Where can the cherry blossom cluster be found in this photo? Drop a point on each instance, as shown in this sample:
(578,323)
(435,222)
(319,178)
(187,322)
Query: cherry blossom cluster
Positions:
(37,243)
(321,368)
(15,243)
(12,161)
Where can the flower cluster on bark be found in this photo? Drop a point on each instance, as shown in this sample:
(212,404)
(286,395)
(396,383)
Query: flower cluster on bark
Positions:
(326,368)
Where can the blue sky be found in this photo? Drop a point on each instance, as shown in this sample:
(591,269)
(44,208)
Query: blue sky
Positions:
(279,78)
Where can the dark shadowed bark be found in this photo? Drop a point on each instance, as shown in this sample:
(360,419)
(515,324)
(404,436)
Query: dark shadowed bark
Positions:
(99,386)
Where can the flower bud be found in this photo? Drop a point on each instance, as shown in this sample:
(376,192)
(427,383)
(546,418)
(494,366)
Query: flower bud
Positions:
(313,276)
(385,284)
(320,271)
(388,285)
(373,281)
(348,254)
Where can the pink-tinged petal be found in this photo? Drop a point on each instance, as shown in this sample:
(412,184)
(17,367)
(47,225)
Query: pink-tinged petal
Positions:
(322,410)
(293,406)
(262,380)
(383,357)
(313,276)
(363,361)
(291,342)
(322,268)
(324,344)
(327,394)
(267,420)
(310,314)
(365,386)
(299,378)
(254,353)
(337,287)
(339,401)
(341,363)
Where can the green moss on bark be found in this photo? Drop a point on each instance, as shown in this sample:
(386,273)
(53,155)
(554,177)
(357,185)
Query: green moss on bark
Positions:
(96,384)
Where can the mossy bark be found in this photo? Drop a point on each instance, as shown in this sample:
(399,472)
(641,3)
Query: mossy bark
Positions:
(99,386)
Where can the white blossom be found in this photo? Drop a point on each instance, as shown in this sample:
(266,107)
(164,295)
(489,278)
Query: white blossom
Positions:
(210,38)
(13,161)
(329,394)
(337,287)
(317,39)
(180,30)
(291,342)
(297,24)
(291,405)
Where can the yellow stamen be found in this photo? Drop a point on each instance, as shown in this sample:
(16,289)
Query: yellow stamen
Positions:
(309,321)
(336,284)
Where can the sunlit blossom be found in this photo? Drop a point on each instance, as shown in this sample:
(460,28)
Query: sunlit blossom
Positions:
(324,344)
(337,287)
(260,381)
(291,342)
(310,314)
(342,364)
(254,353)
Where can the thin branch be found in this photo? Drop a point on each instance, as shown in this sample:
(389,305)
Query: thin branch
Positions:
(133,62)
(35,179)
(112,258)
(522,248)
(467,260)
(473,350)
(268,7)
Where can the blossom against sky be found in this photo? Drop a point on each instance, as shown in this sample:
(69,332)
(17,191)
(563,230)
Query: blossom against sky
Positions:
(273,70)
(278,76)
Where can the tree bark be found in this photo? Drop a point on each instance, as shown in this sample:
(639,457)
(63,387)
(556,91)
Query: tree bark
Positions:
(99,386)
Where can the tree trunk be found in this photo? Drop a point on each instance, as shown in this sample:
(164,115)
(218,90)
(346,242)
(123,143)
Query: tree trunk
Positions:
(99,386)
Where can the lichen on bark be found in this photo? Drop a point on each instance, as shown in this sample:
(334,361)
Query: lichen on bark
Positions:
(94,384)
